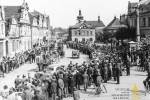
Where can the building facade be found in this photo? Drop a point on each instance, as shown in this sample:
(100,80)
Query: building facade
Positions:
(2,33)
(84,30)
(144,16)
(17,29)
(40,27)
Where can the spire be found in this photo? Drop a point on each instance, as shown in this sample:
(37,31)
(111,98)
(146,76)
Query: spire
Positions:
(80,14)
(25,5)
(24,2)
(80,17)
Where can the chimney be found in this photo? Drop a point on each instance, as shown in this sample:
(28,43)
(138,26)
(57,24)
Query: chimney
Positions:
(99,19)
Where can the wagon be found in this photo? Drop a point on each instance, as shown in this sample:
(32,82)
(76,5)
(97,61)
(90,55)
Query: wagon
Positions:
(75,54)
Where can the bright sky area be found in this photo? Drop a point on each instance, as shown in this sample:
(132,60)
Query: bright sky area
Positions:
(63,12)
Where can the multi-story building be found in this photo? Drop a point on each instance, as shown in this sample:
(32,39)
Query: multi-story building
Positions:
(40,27)
(144,16)
(84,30)
(17,32)
(2,33)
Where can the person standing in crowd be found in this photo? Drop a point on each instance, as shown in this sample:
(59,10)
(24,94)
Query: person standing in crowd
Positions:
(89,72)
(65,79)
(85,80)
(76,94)
(98,84)
(60,87)
(37,95)
(105,72)
(94,76)
(38,61)
(27,95)
(118,72)
(70,64)
(17,81)
(70,83)
(54,88)
(128,67)
(78,80)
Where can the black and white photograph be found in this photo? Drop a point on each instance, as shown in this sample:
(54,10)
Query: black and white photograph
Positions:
(74,49)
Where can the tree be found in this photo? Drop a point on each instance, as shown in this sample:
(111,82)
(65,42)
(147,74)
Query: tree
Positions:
(106,36)
(126,33)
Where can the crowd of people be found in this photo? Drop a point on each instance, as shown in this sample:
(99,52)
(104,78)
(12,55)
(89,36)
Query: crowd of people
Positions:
(121,53)
(106,64)
(8,64)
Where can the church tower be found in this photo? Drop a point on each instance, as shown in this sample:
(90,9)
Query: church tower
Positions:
(80,17)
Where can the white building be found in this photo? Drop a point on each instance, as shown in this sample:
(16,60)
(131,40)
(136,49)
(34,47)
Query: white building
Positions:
(17,29)
(84,30)
(40,27)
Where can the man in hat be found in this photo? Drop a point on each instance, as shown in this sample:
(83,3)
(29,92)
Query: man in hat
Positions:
(27,95)
(60,87)
(17,81)
(85,80)
(118,72)
(37,95)
(76,94)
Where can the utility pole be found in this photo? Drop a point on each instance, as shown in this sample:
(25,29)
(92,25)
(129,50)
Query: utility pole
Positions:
(138,24)
(138,30)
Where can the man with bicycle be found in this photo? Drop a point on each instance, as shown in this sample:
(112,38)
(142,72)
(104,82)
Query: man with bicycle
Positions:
(146,82)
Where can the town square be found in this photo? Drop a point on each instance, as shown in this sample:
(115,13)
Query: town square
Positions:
(74,50)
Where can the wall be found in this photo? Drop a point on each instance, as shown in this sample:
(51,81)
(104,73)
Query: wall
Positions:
(83,34)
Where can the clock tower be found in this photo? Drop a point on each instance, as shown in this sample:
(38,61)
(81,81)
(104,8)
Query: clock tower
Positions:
(80,17)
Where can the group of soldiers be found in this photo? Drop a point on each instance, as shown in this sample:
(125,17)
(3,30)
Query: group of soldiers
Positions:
(40,87)
(8,64)
(105,64)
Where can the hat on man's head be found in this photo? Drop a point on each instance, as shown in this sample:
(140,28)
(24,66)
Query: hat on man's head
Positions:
(23,76)
(5,87)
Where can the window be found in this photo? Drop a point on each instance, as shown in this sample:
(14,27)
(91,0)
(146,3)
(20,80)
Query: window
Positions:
(13,45)
(76,40)
(91,39)
(91,32)
(149,21)
(144,22)
(79,33)
(87,33)
(83,39)
(75,33)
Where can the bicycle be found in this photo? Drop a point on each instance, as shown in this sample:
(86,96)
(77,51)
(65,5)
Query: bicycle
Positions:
(101,88)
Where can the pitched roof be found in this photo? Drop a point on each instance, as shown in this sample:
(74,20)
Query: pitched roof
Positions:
(11,11)
(36,13)
(96,23)
(133,4)
(78,25)
(115,23)
(144,2)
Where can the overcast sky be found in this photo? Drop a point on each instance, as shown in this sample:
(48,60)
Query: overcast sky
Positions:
(63,13)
